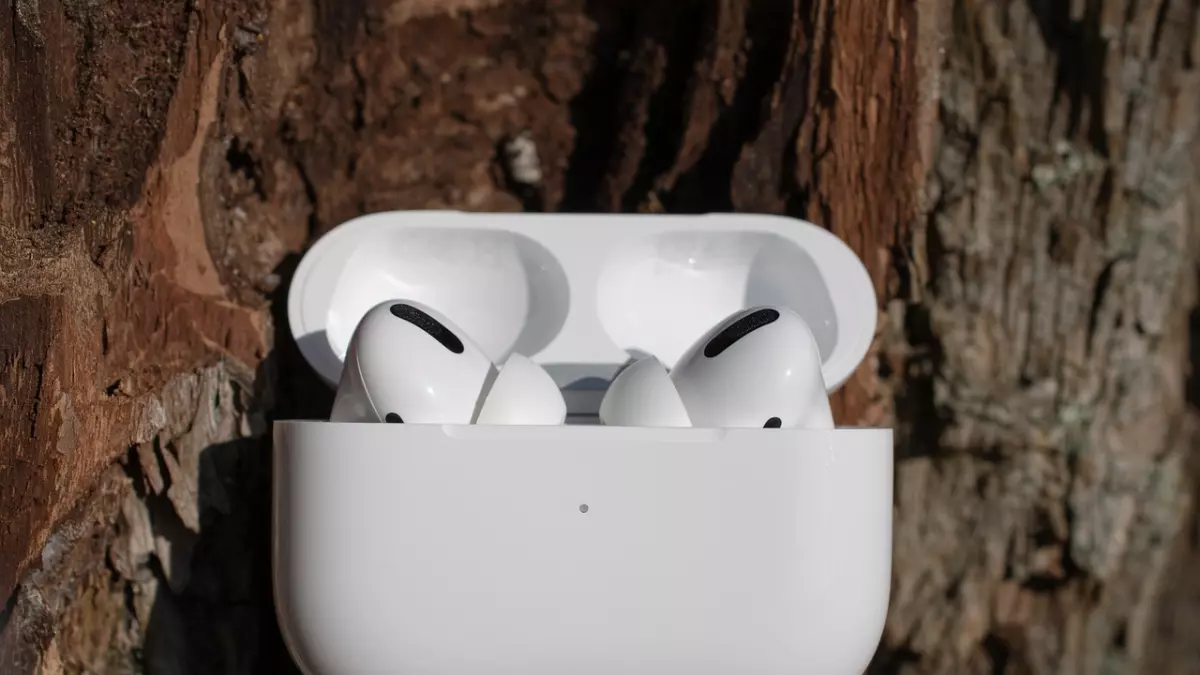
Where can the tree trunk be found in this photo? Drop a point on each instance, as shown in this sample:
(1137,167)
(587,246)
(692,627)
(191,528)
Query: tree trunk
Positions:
(1017,177)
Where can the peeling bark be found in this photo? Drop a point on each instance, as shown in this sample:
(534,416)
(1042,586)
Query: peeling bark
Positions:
(1015,175)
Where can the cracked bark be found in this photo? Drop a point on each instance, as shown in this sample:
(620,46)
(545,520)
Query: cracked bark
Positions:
(1014,174)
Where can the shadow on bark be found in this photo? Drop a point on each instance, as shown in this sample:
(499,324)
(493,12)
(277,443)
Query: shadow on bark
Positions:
(223,619)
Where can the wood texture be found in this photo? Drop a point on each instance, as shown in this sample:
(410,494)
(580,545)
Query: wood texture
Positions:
(1055,271)
(1017,176)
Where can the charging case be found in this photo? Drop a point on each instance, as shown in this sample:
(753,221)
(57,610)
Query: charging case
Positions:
(428,549)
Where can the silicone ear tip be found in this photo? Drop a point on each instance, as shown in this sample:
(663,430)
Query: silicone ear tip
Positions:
(643,395)
(523,393)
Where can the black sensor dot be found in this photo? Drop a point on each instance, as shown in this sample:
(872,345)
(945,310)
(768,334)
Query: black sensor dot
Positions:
(583,508)
(392,418)
(428,324)
(738,330)
(773,423)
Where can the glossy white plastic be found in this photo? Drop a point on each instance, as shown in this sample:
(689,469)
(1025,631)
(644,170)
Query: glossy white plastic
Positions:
(452,549)
(395,368)
(742,380)
(643,395)
(523,393)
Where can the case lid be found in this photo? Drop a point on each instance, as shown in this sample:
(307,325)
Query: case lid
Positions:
(582,293)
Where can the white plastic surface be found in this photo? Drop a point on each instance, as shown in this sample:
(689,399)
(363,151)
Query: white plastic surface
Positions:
(427,549)
(394,368)
(643,395)
(773,372)
(580,294)
(464,550)
(523,393)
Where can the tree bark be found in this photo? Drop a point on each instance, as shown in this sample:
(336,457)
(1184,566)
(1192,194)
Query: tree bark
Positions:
(1015,175)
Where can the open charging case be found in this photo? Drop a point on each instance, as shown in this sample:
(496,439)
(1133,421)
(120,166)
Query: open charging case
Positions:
(422,549)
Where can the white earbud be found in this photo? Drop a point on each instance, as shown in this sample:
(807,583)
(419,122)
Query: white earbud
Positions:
(524,393)
(408,363)
(759,367)
(642,395)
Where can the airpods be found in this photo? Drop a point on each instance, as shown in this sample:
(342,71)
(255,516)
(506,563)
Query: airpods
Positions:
(524,393)
(759,367)
(408,363)
(642,395)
